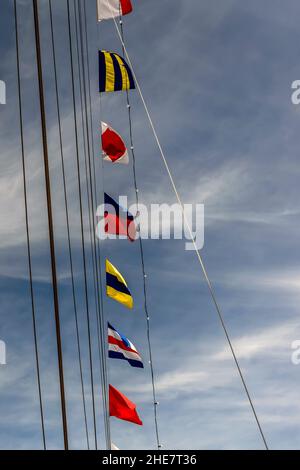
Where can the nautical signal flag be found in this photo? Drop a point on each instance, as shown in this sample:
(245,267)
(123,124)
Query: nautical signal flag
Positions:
(113,148)
(116,287)
(114,73)
(121,407)
(112,8)
(119,347)
(118,221)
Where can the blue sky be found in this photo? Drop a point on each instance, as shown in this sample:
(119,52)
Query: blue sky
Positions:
(217,77)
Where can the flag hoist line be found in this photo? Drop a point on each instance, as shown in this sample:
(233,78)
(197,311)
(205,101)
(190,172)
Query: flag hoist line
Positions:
(146,310)
(144,275)
(93,196)
(199,257)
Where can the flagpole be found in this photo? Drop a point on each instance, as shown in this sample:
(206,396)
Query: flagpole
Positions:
(50,223)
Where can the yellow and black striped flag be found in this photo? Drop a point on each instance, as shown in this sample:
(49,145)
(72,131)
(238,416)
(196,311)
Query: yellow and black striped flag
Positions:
(114,73)
(116,287)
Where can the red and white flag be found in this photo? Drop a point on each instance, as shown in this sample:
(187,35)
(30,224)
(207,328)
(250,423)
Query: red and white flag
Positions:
(113,148)
(112,8)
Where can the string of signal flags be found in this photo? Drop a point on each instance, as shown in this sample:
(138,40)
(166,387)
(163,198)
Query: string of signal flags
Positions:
(115,75)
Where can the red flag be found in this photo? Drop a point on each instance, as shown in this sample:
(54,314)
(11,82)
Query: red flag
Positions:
(117,220)
(122,408)
(113,147)
(114,225)
(126,7)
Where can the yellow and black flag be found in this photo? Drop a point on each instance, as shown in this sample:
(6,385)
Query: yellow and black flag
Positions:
(116,287)
(114,73)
